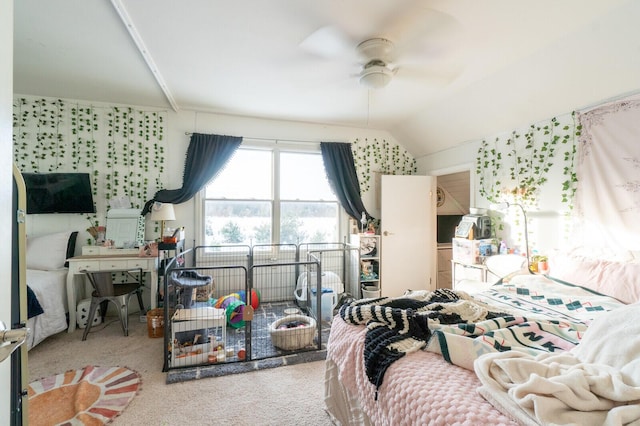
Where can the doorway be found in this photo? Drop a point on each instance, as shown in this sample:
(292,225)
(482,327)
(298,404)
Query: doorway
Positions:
(454,189)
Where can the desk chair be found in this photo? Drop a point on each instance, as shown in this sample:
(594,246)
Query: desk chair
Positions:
(105,290)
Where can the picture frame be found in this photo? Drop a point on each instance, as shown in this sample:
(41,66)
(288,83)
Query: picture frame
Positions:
(440,197)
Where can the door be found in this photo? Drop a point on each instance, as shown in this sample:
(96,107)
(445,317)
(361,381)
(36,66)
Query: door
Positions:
(13,343)
(408,227)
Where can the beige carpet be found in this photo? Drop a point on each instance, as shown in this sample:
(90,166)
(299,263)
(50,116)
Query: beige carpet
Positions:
(289,395)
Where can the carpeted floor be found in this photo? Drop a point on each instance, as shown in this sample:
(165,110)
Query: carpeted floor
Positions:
(292,394)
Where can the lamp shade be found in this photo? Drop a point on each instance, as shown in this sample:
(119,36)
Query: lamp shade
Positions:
(162,212)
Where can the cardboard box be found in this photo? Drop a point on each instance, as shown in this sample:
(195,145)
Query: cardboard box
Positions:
(469,251)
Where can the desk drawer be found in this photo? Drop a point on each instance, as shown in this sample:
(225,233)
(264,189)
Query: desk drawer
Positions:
(83,265)
(140,263)
(106,265)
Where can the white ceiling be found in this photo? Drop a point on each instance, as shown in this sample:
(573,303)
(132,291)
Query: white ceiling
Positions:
(466,68)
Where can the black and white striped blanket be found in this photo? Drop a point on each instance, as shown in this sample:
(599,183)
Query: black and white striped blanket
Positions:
(398,326)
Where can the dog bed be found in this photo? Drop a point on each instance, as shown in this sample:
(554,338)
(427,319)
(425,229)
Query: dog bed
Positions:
(293,332)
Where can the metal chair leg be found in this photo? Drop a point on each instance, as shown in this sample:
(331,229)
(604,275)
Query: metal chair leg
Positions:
(92,313)
(140,302)
(123,313)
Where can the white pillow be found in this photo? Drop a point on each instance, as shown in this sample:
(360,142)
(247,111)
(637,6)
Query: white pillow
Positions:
(47,252)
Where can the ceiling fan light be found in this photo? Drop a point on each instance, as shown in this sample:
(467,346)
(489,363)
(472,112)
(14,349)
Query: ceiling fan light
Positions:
(375,77)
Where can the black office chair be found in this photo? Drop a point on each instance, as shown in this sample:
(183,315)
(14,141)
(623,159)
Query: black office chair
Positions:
(105,290)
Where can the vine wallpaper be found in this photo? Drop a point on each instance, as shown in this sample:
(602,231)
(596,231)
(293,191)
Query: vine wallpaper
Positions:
(122,148)
(534,167)
(516,166)
(372,155)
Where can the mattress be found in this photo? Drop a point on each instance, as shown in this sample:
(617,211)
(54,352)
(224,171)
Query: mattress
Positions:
(50,289)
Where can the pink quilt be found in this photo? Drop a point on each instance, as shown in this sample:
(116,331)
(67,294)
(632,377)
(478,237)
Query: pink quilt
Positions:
(419,389)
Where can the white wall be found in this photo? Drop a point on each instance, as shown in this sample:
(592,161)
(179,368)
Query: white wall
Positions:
(285,131)
(6,183)
(547,229)
(176,142)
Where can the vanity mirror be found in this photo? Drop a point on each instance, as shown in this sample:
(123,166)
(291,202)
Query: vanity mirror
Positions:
(125,227)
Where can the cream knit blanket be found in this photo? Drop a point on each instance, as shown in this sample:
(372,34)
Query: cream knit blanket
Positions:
(595,383)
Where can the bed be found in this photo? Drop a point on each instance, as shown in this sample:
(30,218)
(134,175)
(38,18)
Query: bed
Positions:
(447,357)
(46,283)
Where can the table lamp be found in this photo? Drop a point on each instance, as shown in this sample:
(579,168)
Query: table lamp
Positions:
(161,212)
(504,206)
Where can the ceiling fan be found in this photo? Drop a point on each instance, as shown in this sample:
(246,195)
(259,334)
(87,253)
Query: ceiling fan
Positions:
(417,41)
(377,70)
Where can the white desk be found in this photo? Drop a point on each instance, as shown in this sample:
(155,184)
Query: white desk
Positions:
(107,262)
(479,268)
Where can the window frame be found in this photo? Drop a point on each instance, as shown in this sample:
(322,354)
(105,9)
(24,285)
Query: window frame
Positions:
(276,147)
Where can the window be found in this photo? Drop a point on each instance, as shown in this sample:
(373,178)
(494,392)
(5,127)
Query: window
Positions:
(273,195)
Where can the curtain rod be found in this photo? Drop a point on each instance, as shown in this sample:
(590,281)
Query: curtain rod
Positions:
(271,139)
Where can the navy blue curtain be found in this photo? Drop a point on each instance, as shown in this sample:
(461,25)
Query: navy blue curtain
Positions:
(206,156)
(341,173)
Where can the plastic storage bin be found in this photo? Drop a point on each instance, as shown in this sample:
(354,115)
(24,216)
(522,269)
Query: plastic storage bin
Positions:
(370,291)
(329,301)
(468,251)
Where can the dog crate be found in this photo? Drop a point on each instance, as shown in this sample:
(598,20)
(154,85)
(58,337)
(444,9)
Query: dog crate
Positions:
(249,309)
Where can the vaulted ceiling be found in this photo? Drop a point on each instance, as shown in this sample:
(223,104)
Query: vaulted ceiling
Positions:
(460,70)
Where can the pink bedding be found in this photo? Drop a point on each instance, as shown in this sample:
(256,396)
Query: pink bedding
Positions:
(617,279)
(419,389)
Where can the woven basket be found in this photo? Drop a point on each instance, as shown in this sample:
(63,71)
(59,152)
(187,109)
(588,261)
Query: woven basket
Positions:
(293,338)
(155,321)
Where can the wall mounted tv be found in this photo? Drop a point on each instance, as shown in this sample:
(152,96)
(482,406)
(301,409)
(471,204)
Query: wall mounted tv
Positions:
(446,224)
(58,193)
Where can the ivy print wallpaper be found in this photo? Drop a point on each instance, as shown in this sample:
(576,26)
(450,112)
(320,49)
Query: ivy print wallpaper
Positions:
(515,166)
(372,155)
(122,148)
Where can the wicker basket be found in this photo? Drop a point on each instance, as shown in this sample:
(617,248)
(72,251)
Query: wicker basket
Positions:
(293,338)
(155,322)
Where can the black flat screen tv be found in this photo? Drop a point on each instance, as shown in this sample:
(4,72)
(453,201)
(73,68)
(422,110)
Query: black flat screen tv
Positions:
(58,193)
(446,224)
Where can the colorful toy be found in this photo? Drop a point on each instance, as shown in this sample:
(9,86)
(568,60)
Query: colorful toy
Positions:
(234,304)
(255,298)
(234,309)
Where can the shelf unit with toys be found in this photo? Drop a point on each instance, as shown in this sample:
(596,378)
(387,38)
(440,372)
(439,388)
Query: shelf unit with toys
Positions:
(369,249)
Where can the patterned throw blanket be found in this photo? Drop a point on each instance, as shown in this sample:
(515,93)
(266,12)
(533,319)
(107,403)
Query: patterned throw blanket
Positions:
(398,326)
(530,314)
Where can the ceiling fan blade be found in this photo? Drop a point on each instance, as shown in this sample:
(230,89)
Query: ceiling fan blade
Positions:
(431,77)
(417,23)
(424,42)
(328,42)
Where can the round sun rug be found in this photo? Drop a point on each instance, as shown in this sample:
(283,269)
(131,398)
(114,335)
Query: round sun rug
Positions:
(89,396)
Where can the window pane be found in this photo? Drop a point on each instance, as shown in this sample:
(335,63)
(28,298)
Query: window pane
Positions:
(302,177)
(237,222)
(246,176)
(308,222)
